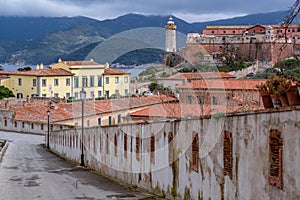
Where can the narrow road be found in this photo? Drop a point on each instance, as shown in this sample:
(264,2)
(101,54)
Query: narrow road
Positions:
(29,171)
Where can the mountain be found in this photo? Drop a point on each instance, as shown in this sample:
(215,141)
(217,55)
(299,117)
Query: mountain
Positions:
(32,40)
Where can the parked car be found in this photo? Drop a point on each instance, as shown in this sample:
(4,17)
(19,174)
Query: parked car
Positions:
(251,74)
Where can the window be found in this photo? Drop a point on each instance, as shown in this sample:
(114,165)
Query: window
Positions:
(92,81)
(68,81)
(76,123)
(56,82)
(44,95)
(44,82)
(84,81)
(201,100)
(137,147)
(23,124)
(116,144)
(214,100)
(170,148)
(126,91)
(233,32)
(56,95)
(107,80)
(88,123)
(152,149)
(99,93)
(68,95)
(119,118)
(76,95)
(107,93)
(32,125)
(125,145)
(224,31)
(227,154)
(99,81)
(195,152)
(42,126)
(5,122)
(99,121)
(76,82)
(33,82)
(92,93)
(117,92)
(189,99)
(109,120)
(16,124)
(107,144)
(117,79)
(19,82)
(276,151)
(212,32)
(126,79)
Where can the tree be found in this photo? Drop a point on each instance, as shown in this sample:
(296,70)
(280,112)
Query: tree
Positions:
(5,92)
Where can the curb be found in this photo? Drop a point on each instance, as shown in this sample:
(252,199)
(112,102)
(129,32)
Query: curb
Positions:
(2,152)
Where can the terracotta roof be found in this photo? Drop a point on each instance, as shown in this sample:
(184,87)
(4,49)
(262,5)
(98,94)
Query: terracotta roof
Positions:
(36,110)
(207,75)
(199,76)
(223,84)
(176,110)
(227,27)
(111,71)
(79,63)
(39,72)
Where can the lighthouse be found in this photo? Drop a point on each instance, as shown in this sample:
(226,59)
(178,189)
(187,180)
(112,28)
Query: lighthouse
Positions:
(170,36)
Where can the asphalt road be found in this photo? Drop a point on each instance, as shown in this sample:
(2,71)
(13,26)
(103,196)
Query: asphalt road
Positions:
(29,171)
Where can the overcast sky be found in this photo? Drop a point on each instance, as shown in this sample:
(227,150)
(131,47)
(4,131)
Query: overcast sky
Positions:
(189,10)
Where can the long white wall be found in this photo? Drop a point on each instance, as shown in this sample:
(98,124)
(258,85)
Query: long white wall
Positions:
(104,152)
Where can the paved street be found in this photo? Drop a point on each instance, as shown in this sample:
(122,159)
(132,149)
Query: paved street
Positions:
(29,171)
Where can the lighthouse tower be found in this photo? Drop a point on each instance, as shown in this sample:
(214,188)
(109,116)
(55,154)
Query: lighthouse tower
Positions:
(170,36)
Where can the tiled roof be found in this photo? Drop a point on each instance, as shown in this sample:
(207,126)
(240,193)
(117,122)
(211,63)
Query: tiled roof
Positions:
(227,27)
(200,75)
(36,110)
(223,84)
(207,75)
(80,63)
(176,110)
(111,71)
(39,72)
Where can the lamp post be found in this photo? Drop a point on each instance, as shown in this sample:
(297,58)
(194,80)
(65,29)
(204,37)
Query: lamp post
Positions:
(82,97)
(48,137)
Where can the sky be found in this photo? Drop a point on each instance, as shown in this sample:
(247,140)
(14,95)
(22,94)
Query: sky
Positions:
(188,10)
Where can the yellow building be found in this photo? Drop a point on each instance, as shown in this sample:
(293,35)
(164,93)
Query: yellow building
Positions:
(66,79)
(116,82)
(98,80)
(39,82)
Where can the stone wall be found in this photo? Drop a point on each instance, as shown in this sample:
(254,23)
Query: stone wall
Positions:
(254,155)
(266,52)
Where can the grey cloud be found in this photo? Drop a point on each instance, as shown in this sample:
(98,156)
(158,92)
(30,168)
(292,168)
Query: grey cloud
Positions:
(102,9)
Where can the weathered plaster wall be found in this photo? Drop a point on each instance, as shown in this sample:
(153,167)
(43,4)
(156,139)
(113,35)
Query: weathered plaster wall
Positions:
(131,162)
(8,123)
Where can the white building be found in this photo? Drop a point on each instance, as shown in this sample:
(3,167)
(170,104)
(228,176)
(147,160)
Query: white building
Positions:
(170,36)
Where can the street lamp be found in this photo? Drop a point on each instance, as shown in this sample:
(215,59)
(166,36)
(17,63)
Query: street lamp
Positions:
(48,113)
(82,97)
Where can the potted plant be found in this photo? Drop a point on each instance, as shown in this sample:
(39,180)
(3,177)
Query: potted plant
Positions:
(265,96)
(278,86)
(293,94)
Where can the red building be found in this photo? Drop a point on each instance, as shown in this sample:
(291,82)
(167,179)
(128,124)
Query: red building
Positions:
(293,31)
